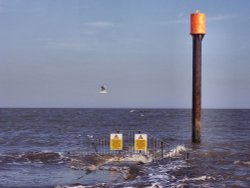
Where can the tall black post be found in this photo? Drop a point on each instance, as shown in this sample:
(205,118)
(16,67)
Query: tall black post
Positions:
(196,109)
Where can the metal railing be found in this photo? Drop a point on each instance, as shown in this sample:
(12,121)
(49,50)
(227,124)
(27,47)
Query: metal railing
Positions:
(155,147)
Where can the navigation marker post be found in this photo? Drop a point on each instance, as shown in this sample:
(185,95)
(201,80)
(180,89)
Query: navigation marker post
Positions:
(198,31)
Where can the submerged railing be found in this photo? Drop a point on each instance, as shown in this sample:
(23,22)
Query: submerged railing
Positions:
(129,143)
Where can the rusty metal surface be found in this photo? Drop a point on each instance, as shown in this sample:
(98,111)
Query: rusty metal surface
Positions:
(196,108)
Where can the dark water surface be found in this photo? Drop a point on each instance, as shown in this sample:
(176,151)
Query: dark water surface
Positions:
(37,145)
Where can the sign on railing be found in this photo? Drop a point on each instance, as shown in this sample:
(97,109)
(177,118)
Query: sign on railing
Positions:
(128,142)
(140,142)
(116,141)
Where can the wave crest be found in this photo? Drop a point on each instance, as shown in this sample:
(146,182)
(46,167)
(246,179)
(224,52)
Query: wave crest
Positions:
(176,151)
(32,157)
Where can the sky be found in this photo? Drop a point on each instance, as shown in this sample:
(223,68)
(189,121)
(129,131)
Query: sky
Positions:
(57,53)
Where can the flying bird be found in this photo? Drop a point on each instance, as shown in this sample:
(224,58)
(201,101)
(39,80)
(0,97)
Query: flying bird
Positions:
(103,90)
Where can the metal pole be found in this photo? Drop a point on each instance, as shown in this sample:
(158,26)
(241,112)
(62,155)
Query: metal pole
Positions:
(198,31)
(196,110)
(162,155)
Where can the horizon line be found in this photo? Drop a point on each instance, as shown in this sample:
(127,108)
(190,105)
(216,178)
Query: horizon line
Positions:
(160,108)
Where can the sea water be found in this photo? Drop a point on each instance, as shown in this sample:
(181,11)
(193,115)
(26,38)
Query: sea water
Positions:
(37,147)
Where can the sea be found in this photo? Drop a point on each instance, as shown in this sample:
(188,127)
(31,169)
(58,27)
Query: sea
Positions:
(39,148)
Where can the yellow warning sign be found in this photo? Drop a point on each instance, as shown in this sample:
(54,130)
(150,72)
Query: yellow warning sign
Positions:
(141,142)
(116,142)
(140,137)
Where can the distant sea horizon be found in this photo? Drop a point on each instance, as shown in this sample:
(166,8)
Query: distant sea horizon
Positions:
(164,108)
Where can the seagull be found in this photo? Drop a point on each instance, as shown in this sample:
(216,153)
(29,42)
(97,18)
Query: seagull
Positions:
(90,136)
(103,90)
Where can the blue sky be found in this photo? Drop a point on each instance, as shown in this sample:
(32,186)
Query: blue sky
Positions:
(57,53)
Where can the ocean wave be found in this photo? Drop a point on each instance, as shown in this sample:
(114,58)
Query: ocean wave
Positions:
(242,162)
(32,157)
(108,162)
(95,161)
(154,185)
(77,186)
(102,185)
(176,151)
(201,178)
(130,166)
(132,158)
(164,173)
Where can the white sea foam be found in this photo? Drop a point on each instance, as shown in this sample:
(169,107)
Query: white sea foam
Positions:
(80,186)
(148,158)
(176,151)
(236,162)
(246,162)
(132,158)
(242,162)
(77,186)
(154,185)
(162,174)
(73,186)
(201,178)
(140,158)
